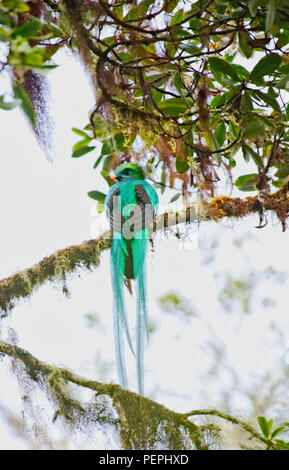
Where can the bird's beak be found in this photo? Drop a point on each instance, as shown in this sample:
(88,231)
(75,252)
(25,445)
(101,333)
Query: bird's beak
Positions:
(113,179)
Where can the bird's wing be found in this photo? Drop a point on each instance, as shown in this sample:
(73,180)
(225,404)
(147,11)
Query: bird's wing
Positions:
(115,217)
(142,215)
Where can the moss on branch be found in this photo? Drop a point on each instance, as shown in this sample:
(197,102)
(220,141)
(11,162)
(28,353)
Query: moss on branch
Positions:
(231,419)
(142,423)
(53,267)
(87,255)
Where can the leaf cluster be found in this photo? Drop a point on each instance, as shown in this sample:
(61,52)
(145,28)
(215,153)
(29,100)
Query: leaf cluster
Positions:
(175,84)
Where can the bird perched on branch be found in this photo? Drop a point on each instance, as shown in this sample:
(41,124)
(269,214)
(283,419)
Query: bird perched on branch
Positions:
(130,207)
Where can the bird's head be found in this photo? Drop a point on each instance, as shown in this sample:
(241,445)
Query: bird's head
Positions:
(129,171)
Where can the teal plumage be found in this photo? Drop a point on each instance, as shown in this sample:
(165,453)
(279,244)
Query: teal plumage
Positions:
(130,207)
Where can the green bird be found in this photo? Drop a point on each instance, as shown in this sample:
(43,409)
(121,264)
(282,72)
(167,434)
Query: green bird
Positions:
(130,207)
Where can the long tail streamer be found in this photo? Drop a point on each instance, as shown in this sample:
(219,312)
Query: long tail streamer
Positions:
(120,319)
(139,251)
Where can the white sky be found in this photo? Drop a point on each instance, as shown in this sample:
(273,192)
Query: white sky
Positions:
(44,207)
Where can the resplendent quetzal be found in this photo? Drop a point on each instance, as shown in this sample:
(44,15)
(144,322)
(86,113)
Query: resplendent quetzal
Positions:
(130,207)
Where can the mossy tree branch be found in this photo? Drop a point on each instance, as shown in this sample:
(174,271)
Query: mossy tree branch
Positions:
(270,445)
(87,255)
(135,413)
(139,418)
(55,266)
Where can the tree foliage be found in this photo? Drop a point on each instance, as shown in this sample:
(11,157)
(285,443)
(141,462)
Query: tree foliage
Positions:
(191,89)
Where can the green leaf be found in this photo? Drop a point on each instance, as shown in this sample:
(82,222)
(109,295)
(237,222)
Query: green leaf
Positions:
(4,19)
(100,207)
(138,10)
(81,143)
(282,445)
(277,431)
(283,83)
(173,106)
(181,165)
(245,153)
(283,166)
(158,78)
(270,424)
(82,151)
(19,7)
(247,182)
(219,100)
(175,197)
(232,162)
(233,129)
(212,143)
(116,142)
(9,106)
(35,58)
(170,5)
(268,122)
(27,30)
(245,47)
(195,24)
(41,69)
(177,18)
(257,159)
(266,66)
(253,6)
(220,133)
(264,426)
(272,92)
(253,129)
(181,88)
(157,95)
(80,132)
(106,164)
(287,112)
(97,195)
(57,33)
(220,65)
(97,162)
(270,15)
(190,48)
(239,13)
(26,103)
(243,72)
(269,100)
(179,84)
(163,179)
(283,172)
(144,6)
(283,38)
(246,102)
